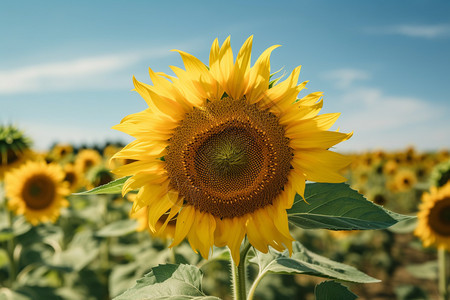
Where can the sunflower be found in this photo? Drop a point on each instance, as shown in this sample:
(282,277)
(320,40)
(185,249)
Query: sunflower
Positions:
(223,150)
(14,149)
(37,190)
(433,227)
(98,175)
(86,159)
(73,177)
(60,152)
(440,174)
(404,180)
(165,229)
(390,167)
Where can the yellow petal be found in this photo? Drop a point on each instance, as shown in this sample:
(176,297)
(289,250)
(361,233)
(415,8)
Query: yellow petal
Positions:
(321,139)
(318,123)
(299,112)
(239,79)
(259,76)
(184,224)
(321,165)
(157,103)
(157,208)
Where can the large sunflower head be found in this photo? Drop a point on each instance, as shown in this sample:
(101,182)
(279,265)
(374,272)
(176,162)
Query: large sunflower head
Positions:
(37,190)
(434,218)
(224,154)
(14,148)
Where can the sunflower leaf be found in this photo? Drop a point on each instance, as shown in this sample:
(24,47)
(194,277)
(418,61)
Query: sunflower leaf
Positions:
(113,187)
(181,282)
(332,290)
(118,228)
(306,262)
(338,207)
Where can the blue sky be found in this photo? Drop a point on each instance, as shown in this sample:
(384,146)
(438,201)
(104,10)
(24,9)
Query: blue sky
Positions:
(66,67)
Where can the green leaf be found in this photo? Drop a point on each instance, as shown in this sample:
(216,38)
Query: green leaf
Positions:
(304,261)
(6,234)
(113,187)
(168,282)
(404,225)
(332,290)
(428,270)
(118,228)
(337,207)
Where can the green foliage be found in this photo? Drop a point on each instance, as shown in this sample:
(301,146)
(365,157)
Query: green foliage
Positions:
(168,282)
(338,207)
(118,228)
(306,262)
(332,290)
(113,187)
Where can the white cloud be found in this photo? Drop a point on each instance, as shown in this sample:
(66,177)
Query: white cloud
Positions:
(45,134)
(343,78)
(83,72)
(381,120)
(421,31)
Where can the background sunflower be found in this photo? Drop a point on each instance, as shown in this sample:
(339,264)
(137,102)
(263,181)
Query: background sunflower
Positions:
(37,190)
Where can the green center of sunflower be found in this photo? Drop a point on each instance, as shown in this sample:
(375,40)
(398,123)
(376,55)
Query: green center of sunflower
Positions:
(229,158)
(439,218)
(39,192)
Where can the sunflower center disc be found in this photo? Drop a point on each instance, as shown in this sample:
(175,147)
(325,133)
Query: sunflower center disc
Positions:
(228,158)
(440,217)
(39,192)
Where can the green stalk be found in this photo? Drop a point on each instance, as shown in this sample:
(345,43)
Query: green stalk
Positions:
(443,279)
(239,274)
(11,247)
(251,292)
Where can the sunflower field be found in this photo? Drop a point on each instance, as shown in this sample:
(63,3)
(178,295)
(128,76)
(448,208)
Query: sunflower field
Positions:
(231,189)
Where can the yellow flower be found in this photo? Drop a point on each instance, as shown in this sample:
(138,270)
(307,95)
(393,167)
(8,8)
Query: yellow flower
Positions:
(164,230)
(404,180)
(60,152)
(73,177)
(86,159)
(224,153)
(37,190)
(433,227)
(98,175)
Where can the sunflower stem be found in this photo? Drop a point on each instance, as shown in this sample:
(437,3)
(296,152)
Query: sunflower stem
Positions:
(11,247)
(239,273)
(443,280)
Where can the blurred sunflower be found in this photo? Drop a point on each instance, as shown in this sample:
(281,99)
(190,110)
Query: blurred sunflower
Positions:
(98,175)
(60,152)
(224,150)
(86,159)
(440,174)
(433,227)
(73,177)
(110,150)
(404,180)
(37,190)
(390,167)
(14,149)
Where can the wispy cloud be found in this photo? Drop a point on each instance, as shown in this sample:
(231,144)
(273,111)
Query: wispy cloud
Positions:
(44,134)
(343,78)
(420,31)
(382,120)
(77,73)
